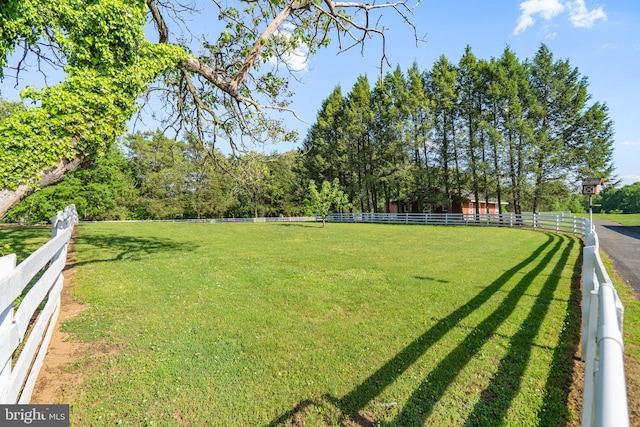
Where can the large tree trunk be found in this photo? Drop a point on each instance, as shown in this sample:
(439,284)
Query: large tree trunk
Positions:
(10,198)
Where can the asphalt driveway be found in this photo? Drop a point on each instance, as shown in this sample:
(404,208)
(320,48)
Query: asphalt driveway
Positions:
(622,245)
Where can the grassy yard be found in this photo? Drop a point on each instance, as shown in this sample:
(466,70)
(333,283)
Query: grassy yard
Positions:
(622,219)
(285,324)
(631,339)
(23,241)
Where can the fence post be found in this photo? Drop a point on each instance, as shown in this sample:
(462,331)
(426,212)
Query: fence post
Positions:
(610,380)
(588,285)
(7,265)
(589,329)
(591,353)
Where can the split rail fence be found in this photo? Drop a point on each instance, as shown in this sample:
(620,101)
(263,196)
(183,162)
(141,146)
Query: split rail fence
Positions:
(604,402)
(29,308)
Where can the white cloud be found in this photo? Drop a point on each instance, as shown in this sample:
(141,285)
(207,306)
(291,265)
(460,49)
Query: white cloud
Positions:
(545,8)
(581,17)
(296,59)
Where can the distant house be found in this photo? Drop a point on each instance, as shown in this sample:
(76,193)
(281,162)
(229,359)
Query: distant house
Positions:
(486,206)
(464,205)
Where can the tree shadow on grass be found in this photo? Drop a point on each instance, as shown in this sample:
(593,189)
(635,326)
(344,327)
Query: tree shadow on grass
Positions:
(21,239)
(555,407)
(299,224)
(422,401)
(431,279)
(497,397)
(128,248)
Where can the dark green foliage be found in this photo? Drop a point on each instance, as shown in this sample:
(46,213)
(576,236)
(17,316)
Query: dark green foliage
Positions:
(621,200)
(102,192)
(325,153)
(523,132)
(161,178)
(517,131)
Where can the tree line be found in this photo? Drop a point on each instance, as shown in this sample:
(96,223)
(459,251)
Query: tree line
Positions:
(151,176)
(619,200)
(524,132)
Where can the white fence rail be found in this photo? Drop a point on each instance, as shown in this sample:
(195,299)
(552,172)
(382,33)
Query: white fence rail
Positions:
(552,222)
(25,331)
(604,400)
(225,220)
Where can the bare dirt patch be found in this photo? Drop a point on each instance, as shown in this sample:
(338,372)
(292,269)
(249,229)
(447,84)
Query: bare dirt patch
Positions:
(55,383)
(360,420)
(575,393)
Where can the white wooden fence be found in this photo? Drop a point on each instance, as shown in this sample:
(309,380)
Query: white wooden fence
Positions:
(604,401)
(604,398)
(25,331)
(558,222)
(224,220)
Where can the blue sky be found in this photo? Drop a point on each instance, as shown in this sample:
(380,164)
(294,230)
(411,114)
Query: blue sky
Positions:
(601,39)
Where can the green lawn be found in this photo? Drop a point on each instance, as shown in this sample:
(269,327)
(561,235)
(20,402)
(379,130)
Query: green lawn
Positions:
(622,219)
(279,324)
(631,339)
(23,241)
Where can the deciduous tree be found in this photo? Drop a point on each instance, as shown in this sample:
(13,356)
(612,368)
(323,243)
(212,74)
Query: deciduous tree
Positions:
(329,199)
(215,87)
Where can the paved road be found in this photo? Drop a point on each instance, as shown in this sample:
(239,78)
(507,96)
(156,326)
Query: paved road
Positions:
(622,244)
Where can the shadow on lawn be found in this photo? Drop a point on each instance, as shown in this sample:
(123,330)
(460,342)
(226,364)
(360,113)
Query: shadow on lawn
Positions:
(21,239)
(498,396)
(299,224)
(555,408)
(128,248)
(431,279)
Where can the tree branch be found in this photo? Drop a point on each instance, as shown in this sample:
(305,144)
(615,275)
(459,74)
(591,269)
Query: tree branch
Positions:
(161,25)
(266,35)
(230,63)
(9,198)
